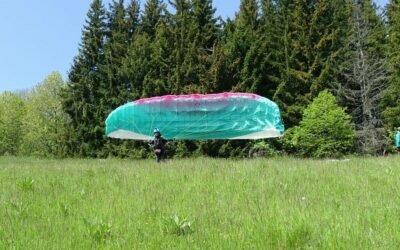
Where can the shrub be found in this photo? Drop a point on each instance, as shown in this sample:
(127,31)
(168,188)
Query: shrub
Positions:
(326,129)
(262,149)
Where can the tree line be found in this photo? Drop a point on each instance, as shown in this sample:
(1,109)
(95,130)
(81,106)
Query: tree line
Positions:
(290,51)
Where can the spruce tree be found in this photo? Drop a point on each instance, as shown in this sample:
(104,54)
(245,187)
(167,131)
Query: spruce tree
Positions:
(132,18)
(391,101)
(136,65)
(115,90)
(329,29)
(153,12)
(203,34)
(221,77)
(205,27)
(156,79)
(180,27)
(296,79)
(241,38)
(377,39)
(82,99)
(261,68)
(312,41)
(147,60)
(123,28)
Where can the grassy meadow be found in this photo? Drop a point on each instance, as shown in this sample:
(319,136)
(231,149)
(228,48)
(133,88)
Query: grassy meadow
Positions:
(281,203)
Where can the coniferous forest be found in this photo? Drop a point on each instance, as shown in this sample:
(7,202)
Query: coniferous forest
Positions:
(332,66)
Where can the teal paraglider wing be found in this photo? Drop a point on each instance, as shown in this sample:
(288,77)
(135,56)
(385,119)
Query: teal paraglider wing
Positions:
(191,117)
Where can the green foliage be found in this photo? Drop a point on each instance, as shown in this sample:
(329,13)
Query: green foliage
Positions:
(326,129)
(390,142)
(181,150)
(287,141)
(208,147)
(132,18)
(12,111)
(45,124)
(262,148)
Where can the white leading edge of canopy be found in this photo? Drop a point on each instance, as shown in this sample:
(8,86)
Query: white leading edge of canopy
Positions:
(124,134)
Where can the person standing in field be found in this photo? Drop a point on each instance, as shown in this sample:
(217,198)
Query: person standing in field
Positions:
(398,139)
(158,145)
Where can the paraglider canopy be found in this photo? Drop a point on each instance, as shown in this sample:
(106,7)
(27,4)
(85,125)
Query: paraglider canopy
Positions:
(191,117)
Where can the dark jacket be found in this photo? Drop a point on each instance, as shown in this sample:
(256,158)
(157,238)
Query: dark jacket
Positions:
(158,143)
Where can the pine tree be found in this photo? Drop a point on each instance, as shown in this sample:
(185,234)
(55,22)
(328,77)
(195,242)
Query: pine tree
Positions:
(226,62)
(82,98)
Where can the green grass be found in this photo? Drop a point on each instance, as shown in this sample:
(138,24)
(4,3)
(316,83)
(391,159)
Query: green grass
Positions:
(200,204)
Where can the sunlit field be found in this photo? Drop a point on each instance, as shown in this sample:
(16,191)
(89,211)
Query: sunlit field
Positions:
(280,203)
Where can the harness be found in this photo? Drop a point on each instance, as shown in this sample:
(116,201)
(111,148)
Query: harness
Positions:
(158,143)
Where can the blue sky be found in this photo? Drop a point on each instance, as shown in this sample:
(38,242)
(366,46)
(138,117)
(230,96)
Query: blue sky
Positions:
(41,36)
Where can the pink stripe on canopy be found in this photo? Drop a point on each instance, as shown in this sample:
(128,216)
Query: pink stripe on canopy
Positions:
(196,96)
